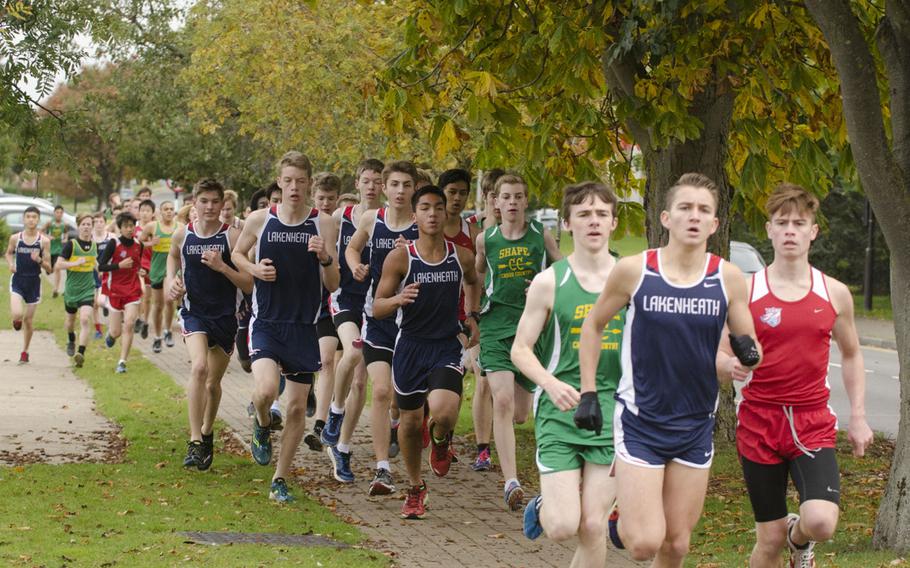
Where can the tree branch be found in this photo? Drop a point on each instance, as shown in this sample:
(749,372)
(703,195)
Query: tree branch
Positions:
(893,39)
(442,59)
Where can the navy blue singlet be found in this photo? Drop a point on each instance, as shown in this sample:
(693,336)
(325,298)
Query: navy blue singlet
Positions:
(434,313)
(25,266)
(348,285)
(209,294)
(381,244)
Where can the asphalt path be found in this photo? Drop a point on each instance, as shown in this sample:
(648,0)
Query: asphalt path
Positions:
(882,389)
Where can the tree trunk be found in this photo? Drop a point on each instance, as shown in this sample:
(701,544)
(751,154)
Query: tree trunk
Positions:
(706,155)
(885,174)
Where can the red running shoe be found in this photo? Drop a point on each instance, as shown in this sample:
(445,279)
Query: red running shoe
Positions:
(441,455)
(17,324)
(415,504)
(23,358)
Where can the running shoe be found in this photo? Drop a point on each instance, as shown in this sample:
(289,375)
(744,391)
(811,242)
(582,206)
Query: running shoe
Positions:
(246,365)
(168,338)
(261,444)
(483,461)
(382,483)
(341,465)
(156,345)
(98,334)
(311,402)
(193,453)
(144,332)
(279,491)
(105,312)
(440,456)
(70,348)
(121,367)
(800,556)
(415,504)
(109,341)
(311,439)
(208,451)
(394,447)
(23,358)
(425,431)
(78,360)
(613,529)
(17,324)
(514,496)
(276,424)
(332,431)
(532,527)
(137,325)
(55,294)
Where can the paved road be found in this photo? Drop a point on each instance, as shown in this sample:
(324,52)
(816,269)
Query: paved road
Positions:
(882,389)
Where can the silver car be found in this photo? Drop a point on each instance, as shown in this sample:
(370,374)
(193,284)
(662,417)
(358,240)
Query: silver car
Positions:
(13,207)
(746,257)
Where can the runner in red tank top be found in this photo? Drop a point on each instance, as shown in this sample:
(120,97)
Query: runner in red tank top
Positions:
(785,426)
(121,258)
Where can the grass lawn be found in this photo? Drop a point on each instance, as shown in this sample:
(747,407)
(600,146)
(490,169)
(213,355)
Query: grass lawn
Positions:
(881,307)
(128,513)
(625,246)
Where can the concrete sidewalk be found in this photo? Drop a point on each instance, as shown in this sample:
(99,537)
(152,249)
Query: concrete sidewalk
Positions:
(49,413)
(876,332)
(467,525)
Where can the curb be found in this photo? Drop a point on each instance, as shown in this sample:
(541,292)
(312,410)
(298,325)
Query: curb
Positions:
(878,342)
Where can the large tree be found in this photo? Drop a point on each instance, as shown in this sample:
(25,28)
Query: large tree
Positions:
(876,101)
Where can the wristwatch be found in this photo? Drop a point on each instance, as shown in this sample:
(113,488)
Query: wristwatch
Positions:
(327,262)
(475,315)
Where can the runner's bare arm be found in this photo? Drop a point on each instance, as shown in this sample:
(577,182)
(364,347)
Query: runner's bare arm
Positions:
(239,278)
(46,254)
(616,293)
(394,270)
(173,285)
(358,242)
(728,366)
(471,285)
(11,252)
(240,255)
(852,366)
(147,237)
(739,318)
(67,252)
(480,259)
(549,243)
(331,274)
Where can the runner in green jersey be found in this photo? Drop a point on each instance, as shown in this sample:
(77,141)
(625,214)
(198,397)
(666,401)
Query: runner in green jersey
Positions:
(56,230)
(546,350)
(509,255)
(156,236)
(79,257)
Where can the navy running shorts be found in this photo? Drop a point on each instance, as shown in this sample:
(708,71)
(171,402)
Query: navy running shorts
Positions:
(646,444)
(414,361)
(294,347)
(28,287)
(219,331)
(380,333)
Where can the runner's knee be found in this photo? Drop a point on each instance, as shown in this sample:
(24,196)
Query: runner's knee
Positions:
(560,527)
(592,527)
(818,526)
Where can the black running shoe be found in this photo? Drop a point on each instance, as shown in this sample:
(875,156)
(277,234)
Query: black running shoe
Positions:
(156,345)
(311,402)
(137,325)
(144,332)
(169,338)
(193,454)
(70,348)
(311,439)
(207,452)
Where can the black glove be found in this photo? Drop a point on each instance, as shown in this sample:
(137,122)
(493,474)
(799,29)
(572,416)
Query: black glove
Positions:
(588,415)
(744,349)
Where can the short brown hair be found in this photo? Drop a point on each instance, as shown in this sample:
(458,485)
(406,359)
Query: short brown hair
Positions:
(692,180)
(297,160)
(208,184)
(423,176)
(511,179)
(578,193)
(788,197)
(488,181)
(402,167)
(82,217)
(231,195)
(352,197)
(98,215)
(369,165)
(326,181)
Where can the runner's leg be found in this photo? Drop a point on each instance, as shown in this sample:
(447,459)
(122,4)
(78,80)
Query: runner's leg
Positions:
(639,494)
(598,489)
(217,364)
(28,327)
(266,376)
(684,491)
(295,395)
(380,427)
(502,388)
(130,312)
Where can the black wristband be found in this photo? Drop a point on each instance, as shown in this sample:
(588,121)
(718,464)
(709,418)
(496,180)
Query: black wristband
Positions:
(328,262)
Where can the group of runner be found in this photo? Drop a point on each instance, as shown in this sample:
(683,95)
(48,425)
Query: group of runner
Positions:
(645,340)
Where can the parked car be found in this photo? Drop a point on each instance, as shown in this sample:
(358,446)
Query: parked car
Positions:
(746,257)
(12,209)
(548,217)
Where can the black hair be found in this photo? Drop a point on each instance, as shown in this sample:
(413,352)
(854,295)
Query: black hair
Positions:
(425,190)
(254,199)
(32,209)
(60,207)
(147,203)
(124,217)
(454,175)
(272,188)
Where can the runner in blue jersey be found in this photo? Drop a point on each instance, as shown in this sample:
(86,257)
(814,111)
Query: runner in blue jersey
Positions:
(679,298)
(347,312)
(199,269)
(27,253)
(383,229)
(426,366)
(291,266)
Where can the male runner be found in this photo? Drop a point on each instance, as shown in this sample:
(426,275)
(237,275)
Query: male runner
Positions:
(144,193)
(482,404)
(208,284)
(156,236)
(383,229)
(146,216)
(291,266)
(79,257)
(679,297)
(100,236)
(56,231)
(28,252)
(121,258)
(510,255)
(785,425)
(229,211)
(347,312)
(326,187)
(576,489)
(426,366)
